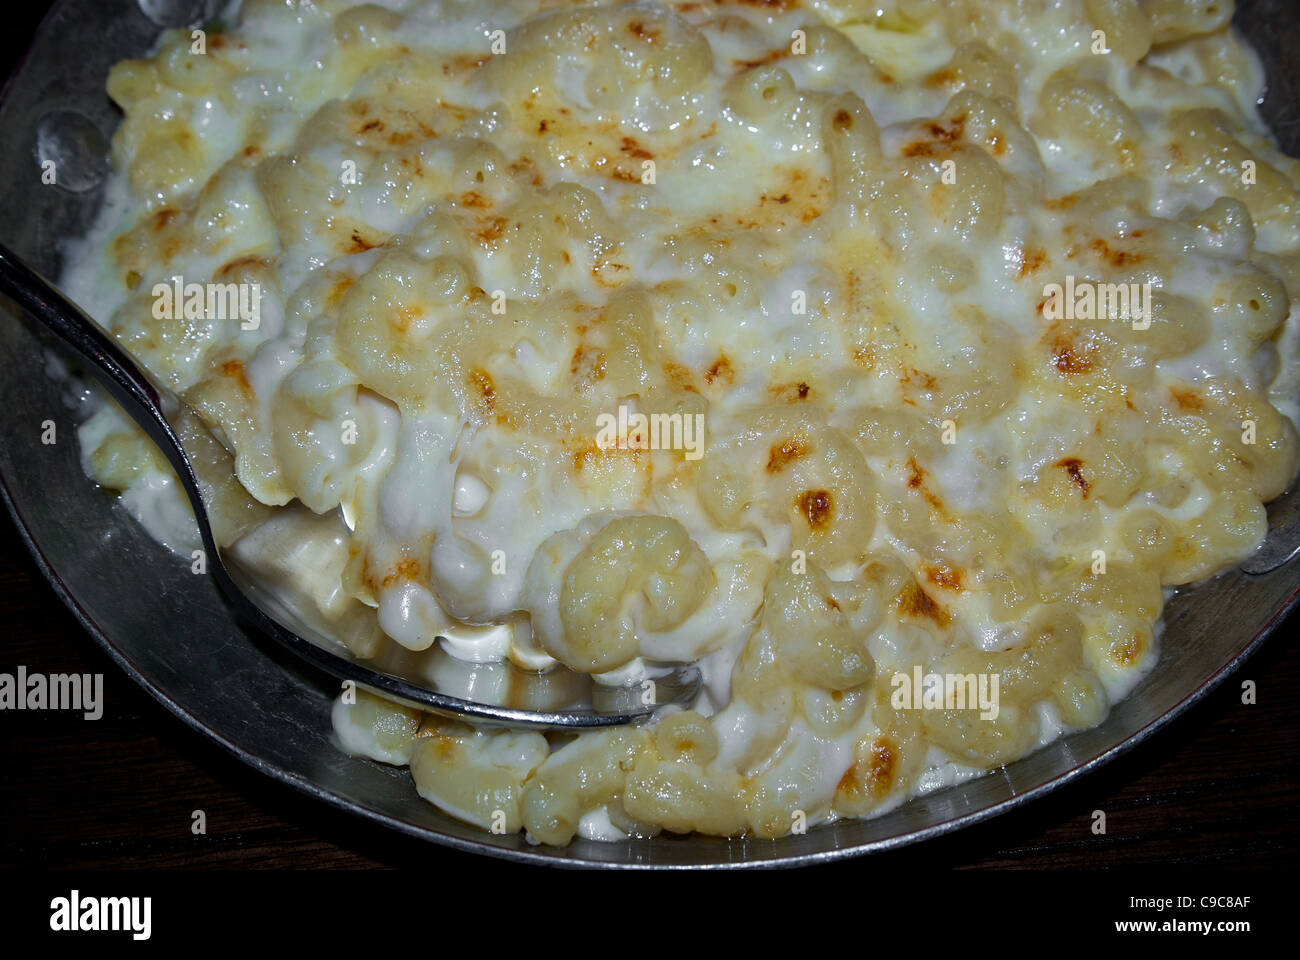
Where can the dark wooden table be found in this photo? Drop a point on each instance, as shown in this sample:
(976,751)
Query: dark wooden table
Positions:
(1218,788)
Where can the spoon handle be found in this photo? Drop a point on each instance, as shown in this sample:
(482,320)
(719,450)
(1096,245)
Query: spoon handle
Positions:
(39,299)
(105,360)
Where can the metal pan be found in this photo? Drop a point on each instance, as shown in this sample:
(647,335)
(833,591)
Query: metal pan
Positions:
(171,631)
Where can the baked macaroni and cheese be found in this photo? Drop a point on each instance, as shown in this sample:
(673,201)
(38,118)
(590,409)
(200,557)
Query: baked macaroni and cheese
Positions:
(890,360)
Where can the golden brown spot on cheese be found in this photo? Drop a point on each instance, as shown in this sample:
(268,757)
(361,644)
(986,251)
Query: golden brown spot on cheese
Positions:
(404,317)
(368,576)
(881,766)
(916,476)
(408,568)
(790,392)
(588,364)
(606,273)
(341,286)
(721,370)
(679,376)
(1116,258)
(490,230)
(642,32)
(942,138)
(842,121)
(447,747)
(816,506)
(587,455)
(849,782)
(943,575)
(785,453)
(916,482)
(163,218)
(234,369)
(1074,467)
(926,381)
(1127,651)
(770,57)
(474,200)
(239,263)
(925,148)
(481,381)
(634,149)
(941,78)
(1031,260)
(1061,203)
(524,169)
(464,63)
(1066,360)
(1187,399)
(359,244)
(914,602)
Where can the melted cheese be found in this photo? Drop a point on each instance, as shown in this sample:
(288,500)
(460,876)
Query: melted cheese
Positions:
(471,245)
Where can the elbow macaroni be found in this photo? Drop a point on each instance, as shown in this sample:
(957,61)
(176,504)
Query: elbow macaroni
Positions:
(826,229)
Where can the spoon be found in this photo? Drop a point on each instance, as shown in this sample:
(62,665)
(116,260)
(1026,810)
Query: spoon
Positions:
(156,409)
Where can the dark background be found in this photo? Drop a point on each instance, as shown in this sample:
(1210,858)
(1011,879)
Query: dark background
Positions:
(1219,788)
